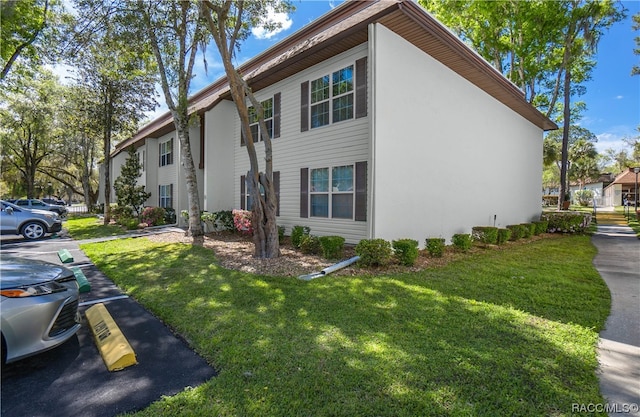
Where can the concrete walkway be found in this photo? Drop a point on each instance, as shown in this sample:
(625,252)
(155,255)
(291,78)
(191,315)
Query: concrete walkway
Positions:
(618,262)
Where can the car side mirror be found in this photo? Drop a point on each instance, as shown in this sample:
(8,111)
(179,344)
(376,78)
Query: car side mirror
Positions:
(8,210)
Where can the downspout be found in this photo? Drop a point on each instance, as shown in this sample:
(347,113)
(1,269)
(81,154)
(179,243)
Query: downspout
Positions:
(372,132)
(330,269)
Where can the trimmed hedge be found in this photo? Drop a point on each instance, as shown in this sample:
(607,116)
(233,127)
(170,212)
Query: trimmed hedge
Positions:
(517,231)
(567,221)
(529,229)
(374,252)
(485,234)
(435,246)
(503,236)
(406,250)
(541,227)
(462,241)
(332,246)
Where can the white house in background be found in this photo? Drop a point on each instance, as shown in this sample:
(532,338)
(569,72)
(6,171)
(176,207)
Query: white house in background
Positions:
(384,125)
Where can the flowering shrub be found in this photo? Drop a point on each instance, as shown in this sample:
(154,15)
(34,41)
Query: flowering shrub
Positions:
(567,221)
(485,234)
(153,216)
(462,241)
(242,221)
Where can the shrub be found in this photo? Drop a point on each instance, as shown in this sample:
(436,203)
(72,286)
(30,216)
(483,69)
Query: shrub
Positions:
(584,197)
(503,236)
(567,221)
(435,246)
(153,216)
(374,252)
(485,234)
(169,215)
(517,231)
(224,219)
(462,241)
(281,231)
(541,227)
(121,213)
(128,223)
(332,246)
(297,233)
(310,245)
(406,251)
(528,229)
(242,221)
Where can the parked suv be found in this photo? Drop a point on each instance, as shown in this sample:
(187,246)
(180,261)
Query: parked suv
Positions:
(54,201)
(32,224)
(32,203)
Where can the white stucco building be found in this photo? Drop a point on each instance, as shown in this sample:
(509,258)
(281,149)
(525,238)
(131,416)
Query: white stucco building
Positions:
(384,125)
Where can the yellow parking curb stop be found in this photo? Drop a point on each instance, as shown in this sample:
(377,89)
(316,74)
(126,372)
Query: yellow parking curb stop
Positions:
(114,348)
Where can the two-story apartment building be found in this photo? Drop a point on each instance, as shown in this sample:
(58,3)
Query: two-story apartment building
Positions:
(384,124)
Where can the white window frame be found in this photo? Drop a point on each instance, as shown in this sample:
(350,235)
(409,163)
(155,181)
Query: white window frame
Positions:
(254,124)
(165,199)
(332,96)
(166,153)
(332,191)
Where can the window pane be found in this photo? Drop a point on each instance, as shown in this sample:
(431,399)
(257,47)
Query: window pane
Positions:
(320,205)
(342,178)
(269,124)
(253,115)
(342,206)
(320,89)
(343,81)
(320,180)
(267,107)
(343,108)
(320,114)
(254,133)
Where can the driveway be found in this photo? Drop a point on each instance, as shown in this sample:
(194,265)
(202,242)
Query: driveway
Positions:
(72,379)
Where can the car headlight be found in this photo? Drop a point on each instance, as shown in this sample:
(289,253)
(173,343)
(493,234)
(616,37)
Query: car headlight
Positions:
(51,216)
(33,290)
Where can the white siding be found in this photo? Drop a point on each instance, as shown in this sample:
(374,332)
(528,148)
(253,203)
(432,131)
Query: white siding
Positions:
(180,192)
(447,155)
(342,143)
(167,174)
(219,157)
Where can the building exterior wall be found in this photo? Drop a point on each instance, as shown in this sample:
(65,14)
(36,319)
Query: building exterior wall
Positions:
(219,179)
(447,156)
(342,143)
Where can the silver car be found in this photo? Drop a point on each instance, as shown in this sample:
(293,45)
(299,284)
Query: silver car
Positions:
(38,306)
(32,224)
(35,204)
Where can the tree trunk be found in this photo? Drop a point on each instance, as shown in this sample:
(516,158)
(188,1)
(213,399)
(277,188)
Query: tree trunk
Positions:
(107,157)
(181,123)
(565,136)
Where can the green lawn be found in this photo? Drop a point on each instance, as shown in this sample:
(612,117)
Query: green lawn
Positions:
(91,227)
(498,332)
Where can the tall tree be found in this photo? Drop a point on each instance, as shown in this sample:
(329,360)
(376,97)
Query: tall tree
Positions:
(230,23)
(119,71)
(30,131)
(175,31)
(635,70)
(128,192)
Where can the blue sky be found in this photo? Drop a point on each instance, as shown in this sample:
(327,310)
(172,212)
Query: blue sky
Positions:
(612,97)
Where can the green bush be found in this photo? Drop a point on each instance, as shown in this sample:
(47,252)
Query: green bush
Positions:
(128,223)
(435,246)
(406,251)
(541,227)
(332,246)
(374,252)
(310,245)
(485,234)
(281,230)
(121,213)
(517,231)
(529,229)
(567,221)
(503,236)
(462,241)
(297,233)
(153,216)
(224,219)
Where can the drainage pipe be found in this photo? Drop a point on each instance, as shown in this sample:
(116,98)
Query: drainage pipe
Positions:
(330,269)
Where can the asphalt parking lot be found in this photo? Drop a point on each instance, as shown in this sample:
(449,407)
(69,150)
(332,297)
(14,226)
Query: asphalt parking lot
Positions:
(72,379)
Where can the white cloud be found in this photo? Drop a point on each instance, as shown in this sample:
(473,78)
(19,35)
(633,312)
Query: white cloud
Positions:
(282,19)
(619,97)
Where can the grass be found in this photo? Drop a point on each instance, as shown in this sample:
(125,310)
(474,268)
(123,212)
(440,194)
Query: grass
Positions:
(498,332)
(81,228)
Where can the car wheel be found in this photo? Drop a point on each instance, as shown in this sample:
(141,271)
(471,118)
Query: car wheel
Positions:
(33,230)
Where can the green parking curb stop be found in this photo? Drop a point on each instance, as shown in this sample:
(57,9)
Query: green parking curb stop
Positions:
(65,256)
(83,282)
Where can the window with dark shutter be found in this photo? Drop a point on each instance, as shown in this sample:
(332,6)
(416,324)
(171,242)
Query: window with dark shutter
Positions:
(361,192)
(243,192)
(361,88)
(276,187)
(304,106)
(304,192)
(201,165)
(276,115)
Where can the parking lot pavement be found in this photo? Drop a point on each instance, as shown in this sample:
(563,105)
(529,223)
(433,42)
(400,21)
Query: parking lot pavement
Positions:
(72,379)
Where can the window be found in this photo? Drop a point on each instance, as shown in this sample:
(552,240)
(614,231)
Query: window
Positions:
(166,153)
(271,108)
(165,196)
(338,192)
(142,158)
(331,192)
(332,98)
